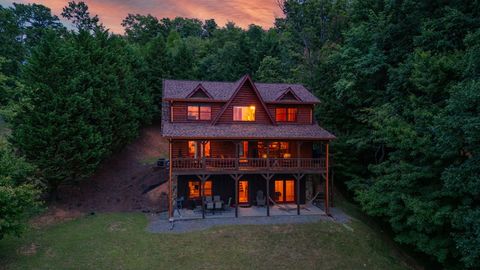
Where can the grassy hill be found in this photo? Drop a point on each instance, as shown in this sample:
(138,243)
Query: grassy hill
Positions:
(120,241)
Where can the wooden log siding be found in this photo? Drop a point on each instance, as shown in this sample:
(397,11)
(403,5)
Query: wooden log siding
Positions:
(179,148)
(303,113)
(179,110)
(227,149)
(246,97)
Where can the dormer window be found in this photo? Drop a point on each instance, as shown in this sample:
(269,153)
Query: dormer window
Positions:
(244,113)
(199,112)
(286,114)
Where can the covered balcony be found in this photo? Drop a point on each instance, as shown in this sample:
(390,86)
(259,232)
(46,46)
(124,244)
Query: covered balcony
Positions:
(229,155)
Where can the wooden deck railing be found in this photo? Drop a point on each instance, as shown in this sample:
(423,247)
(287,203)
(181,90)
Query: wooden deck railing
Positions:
(248,163)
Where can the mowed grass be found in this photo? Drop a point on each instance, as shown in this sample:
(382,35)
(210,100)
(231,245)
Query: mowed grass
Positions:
(120,241)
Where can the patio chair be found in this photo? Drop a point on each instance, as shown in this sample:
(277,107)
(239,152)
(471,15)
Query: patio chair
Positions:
(208,199)
(216,198)
(209,206)
(226,206)
(218,205)
(261,198)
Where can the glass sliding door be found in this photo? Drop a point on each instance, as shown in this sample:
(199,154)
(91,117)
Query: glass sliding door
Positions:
(284,191)
(243,192)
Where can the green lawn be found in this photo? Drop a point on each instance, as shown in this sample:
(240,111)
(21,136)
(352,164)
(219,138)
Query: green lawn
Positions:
(119,241)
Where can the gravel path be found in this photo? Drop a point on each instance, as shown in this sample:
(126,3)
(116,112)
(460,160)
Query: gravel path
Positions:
(160,224)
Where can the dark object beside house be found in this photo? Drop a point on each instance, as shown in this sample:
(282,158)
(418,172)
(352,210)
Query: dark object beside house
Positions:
(162,163)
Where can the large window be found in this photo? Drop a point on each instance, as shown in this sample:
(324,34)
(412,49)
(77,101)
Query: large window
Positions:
(244,113)
(195,149)
(207,188)
(194,191)
(277,150)
(199,112)
(192,149)
(286,114)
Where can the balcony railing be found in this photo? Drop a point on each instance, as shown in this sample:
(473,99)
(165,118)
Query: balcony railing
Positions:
(248,163)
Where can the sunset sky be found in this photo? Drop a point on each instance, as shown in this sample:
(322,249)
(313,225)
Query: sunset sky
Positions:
(112,12)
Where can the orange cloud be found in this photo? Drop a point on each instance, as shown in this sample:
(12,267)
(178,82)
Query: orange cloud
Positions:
(112,12)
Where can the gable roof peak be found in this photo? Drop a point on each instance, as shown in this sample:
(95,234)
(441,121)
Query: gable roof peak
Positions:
(288,92)
(199,90)
(238,86)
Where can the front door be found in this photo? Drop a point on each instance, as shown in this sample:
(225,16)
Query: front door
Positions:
(243,192)
(284,191)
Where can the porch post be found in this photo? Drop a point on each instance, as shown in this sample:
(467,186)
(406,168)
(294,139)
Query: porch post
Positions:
(298,177)
(202,194)
(327,210)
(237,150)
(299,144)
(170,206)
(236,177)
(268,155)
(236,196)
(202,153)
(268,177)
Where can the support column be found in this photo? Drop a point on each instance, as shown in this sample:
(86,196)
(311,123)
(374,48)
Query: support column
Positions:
(327,191)
(203,178)
(236,177)
(237,153)
(299,144)
(268,177)
(267,143)
(204,164)
(298,177)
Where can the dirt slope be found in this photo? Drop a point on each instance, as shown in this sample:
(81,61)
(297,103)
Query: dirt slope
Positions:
(120,182)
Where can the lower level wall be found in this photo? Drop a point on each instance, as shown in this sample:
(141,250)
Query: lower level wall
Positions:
(224,186)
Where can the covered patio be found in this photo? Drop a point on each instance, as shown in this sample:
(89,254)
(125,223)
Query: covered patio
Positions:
(251,211)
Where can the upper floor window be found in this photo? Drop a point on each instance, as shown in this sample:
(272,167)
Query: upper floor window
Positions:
(196,149)
(244,113)
(199,112)
(286,114)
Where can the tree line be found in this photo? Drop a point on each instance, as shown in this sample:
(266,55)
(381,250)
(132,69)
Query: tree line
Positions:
(398,81)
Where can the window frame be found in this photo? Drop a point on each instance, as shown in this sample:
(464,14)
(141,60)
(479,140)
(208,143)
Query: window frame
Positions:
(197,109)
(247,108)
(290,114)
(196,193)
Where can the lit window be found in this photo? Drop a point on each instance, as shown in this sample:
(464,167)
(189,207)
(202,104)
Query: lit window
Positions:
(286,114)
(244,113)
(281,114)
(193,189)
(199,112)
(192,149)
(243,151)
(207,188)
(207,149)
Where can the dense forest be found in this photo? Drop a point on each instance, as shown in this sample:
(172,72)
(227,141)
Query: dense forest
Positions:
(399,83)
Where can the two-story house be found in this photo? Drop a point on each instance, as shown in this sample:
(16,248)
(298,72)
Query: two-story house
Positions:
(245,144)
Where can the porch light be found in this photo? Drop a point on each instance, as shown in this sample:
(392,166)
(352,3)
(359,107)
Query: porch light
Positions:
(287,155)
(264,156)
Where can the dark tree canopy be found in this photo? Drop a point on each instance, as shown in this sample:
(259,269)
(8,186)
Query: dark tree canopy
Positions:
(398,83)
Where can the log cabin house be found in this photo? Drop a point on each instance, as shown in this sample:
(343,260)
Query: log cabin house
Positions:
(240,142)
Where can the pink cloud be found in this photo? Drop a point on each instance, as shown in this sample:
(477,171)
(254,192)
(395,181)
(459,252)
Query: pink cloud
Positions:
(112,12)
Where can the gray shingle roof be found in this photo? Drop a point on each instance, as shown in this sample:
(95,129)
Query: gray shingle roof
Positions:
(244,131)
(224,90)
(270,92)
